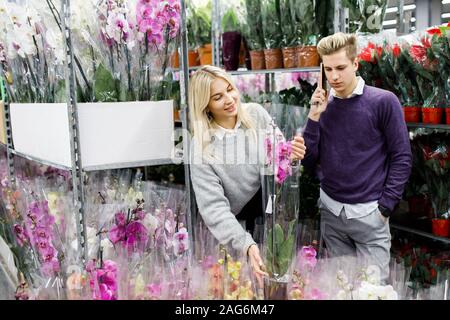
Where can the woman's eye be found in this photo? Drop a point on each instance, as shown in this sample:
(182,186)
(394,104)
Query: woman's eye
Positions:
(217,98)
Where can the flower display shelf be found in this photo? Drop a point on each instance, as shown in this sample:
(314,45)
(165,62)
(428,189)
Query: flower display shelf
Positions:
(269,71)
(420,233)
(428,126)
(112,135)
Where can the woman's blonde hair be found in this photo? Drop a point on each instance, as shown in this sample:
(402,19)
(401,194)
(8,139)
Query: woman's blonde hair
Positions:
(199,97)
(336,42)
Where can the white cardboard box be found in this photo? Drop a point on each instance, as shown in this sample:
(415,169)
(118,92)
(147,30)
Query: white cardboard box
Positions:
(110,133)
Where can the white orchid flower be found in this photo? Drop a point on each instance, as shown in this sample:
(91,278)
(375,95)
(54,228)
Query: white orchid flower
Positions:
(20,42)
(118,28)
(17,14)
(373,274)
(151,223)
(83,14)
(55,42)
(108,248)
(368,291)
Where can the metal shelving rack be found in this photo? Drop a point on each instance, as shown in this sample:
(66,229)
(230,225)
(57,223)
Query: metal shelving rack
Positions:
(428,126)
(438,128)
(78,173)
(420,233)
(8,133)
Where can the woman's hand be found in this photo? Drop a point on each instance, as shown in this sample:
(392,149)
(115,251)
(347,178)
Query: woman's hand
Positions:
(298,148)
(257,264)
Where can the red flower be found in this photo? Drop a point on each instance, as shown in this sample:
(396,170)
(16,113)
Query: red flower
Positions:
(426,42)
(418,53)
(435,30)
(396,50)
(370,45)
(379,51)
(432,273)
(366,55)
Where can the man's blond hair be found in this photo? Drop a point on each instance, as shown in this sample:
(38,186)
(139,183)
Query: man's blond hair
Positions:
(336,42)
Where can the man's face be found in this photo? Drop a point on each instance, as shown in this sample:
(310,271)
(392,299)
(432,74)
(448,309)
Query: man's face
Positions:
(340,72)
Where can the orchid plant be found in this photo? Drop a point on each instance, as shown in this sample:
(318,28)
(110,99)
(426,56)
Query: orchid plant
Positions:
(282,208)
(31,53)
(121,49)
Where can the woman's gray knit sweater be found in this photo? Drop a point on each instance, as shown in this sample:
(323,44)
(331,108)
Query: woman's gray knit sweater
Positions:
(225,183)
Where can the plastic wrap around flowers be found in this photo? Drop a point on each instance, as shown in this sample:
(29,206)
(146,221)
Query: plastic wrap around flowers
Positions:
(283,150)
(129,230)
(113,41)
(103,280)
(38,231)
(343,278)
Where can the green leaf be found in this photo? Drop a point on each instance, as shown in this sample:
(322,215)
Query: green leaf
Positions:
(60,93)
(279,236)
(230,21)
(252,26)
(105,86)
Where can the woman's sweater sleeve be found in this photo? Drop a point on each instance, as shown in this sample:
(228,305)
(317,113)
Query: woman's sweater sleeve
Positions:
(215,209)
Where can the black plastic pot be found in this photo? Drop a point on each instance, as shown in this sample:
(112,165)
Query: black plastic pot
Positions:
(230,51)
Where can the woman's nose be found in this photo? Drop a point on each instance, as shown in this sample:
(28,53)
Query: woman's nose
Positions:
(228,98)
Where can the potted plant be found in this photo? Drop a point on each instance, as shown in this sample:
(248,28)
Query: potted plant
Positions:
(203,33)
(231,40)
(306,33)
(426,66)
(437,177)
(416,188)
(281,200)
(252,30)
(289,36)
(193,58)
(440,45)
(273,34)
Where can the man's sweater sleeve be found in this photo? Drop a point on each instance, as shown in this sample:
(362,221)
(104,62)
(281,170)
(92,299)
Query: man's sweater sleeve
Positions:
(215,209)
(312,139)
(399,152)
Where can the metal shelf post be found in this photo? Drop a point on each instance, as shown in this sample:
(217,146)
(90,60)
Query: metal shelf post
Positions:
(75,150)
(184,79)
(8,133)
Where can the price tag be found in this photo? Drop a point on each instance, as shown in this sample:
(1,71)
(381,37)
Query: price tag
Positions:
(269,204)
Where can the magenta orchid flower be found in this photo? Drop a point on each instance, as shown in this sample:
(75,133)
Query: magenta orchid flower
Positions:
(154,290)
(39,232)
(131,234)
(283,151)
(103,281)
(181,241)
(315,294)
(21,235)
(307,257)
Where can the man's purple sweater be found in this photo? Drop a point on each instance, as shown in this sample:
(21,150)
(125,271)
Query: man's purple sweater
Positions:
(361,146)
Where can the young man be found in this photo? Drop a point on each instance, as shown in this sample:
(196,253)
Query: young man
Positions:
(357,138)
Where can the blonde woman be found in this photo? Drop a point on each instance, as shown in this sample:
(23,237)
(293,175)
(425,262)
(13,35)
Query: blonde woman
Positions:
(225,150)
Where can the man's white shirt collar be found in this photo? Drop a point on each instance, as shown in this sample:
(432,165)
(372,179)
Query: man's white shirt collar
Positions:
(359,89)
